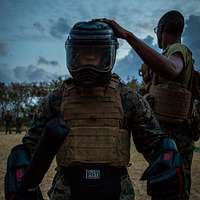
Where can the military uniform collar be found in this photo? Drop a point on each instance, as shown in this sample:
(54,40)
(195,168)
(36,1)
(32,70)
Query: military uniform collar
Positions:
(167,48)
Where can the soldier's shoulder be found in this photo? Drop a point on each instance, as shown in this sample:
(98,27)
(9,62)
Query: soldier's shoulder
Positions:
(116,76)
(57,93)
(129,95)
(67,81)
(179,47)
(133,102)
(55,97)
(50,104)
(125,89)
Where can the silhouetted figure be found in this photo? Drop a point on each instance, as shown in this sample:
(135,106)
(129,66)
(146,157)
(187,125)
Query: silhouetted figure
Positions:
(8,122)
(18,124)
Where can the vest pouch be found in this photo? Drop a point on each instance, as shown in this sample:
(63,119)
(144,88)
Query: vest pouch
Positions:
(95,145)
(123,146)
(171,103)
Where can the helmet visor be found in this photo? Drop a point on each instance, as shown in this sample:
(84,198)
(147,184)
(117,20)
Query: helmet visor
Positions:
(97,57)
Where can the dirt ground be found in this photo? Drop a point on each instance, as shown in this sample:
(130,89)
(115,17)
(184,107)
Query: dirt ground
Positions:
(135,171)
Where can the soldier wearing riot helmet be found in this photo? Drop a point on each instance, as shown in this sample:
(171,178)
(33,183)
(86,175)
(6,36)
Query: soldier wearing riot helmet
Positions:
(91,54)
(101,113)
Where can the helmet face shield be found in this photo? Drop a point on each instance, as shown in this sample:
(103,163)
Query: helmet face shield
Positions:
(100,58)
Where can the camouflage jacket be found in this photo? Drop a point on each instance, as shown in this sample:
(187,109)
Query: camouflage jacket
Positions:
(139,120)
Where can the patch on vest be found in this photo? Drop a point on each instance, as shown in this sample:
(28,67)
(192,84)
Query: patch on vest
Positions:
(92,174)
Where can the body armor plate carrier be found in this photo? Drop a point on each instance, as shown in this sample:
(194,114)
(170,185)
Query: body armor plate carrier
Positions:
(95,116)
(171,103)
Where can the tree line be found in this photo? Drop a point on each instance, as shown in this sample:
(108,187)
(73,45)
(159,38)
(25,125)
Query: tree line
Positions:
(21,98)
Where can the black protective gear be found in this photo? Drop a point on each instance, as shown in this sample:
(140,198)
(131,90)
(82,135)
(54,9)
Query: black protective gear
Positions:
(18,161)
(91,52)
(33,194)
(165,176)
(53,136)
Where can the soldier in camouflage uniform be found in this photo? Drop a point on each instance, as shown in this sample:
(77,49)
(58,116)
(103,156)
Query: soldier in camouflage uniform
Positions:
(167,78)
(102,113)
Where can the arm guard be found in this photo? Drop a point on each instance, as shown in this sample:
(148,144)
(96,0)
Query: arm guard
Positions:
(53,136)
(17,163)
(165,174)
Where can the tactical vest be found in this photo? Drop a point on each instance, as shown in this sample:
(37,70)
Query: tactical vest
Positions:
(173,99)
(95,116)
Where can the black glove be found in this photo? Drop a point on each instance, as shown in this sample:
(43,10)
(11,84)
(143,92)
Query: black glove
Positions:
(17,163)
(165,174)
(31,194)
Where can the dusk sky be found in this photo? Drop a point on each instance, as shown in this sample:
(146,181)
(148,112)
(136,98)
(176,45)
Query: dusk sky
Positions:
(33,32)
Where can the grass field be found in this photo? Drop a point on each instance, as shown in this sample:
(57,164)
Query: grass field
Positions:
(135,170)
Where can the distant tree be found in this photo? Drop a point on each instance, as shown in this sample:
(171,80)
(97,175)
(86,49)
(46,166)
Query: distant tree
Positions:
(3,98)
(22,97)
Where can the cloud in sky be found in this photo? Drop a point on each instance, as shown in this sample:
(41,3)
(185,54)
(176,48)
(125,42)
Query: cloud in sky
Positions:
(38,26)
(30,73)
(6,74)
(3,49)
(44,61)
(59,28)
(33,73)
(129,66)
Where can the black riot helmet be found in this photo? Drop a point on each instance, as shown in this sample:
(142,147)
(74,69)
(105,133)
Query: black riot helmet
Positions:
(91,52)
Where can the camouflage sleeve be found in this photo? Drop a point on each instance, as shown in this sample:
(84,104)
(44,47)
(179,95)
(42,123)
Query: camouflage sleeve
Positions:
(48,108)
(141,122)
